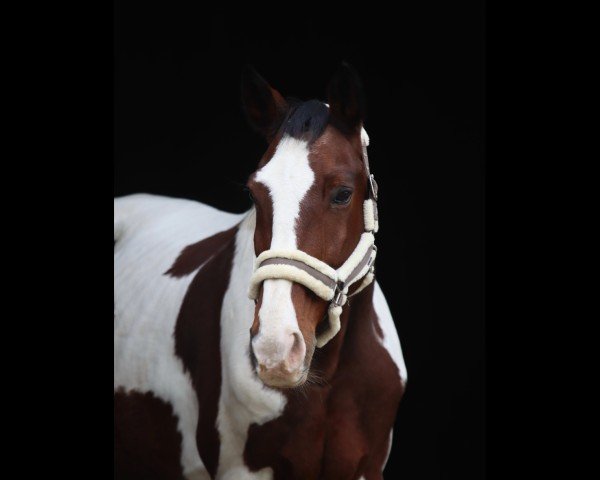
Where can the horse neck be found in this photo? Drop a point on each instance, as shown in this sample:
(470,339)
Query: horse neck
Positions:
(356,323)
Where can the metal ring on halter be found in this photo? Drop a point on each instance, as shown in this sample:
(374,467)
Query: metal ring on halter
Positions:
(338,295)
(373,186)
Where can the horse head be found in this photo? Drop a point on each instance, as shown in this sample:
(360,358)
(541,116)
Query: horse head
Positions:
(309,192)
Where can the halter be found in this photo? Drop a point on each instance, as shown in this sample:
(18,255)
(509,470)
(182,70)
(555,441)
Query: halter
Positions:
(329,284)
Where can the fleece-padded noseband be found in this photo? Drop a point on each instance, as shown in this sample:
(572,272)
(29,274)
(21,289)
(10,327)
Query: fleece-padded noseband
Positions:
(327,283)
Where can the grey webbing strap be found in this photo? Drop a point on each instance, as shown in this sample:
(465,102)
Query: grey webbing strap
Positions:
(359,267)
(321,277)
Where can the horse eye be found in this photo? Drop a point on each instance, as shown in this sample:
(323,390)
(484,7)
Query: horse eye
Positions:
(342,196)
(249,194)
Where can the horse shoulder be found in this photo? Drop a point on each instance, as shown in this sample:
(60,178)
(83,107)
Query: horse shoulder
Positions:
(390,384)
(365,407)
(151,233)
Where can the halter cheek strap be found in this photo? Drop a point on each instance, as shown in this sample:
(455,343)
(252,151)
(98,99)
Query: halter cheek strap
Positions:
(329,284)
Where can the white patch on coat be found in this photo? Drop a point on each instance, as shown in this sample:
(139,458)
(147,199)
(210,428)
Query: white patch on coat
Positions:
(389,450)
(288,177)
(364,137)
(390,339)
(151,231)
(244,398)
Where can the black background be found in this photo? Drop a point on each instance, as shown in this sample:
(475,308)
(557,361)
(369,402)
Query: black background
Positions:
(179,131)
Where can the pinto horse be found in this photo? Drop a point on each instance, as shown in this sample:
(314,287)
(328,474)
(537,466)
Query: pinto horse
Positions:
(258,346)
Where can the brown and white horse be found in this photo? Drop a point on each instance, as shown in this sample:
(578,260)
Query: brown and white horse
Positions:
(208,383)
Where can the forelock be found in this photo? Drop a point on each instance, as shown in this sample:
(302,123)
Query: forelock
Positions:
(306,120)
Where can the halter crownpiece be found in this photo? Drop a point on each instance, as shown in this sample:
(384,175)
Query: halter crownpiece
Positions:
(327,283)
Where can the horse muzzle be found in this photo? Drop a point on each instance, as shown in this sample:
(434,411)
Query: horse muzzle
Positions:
(280,361)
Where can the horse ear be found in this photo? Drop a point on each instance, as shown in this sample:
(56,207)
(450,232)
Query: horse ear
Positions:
(264,106)
(346,98)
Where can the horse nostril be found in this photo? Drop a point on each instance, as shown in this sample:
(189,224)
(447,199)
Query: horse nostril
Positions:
(296,355)
(297,341)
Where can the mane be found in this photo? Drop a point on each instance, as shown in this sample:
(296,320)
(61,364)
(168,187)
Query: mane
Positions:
(305,119)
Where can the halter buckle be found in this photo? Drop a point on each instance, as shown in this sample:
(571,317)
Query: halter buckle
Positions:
(337,296)
(373,187)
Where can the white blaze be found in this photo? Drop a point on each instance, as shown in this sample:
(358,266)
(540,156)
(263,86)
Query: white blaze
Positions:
(288,177)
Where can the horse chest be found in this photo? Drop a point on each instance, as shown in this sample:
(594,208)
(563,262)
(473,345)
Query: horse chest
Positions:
(316,437)
(341,431)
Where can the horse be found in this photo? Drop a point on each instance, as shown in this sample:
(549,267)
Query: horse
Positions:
(259,345)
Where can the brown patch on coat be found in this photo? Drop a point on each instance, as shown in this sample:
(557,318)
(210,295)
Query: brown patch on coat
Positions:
(338,426)
(193,256)
(198,337)
(263,232)
(147,442)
